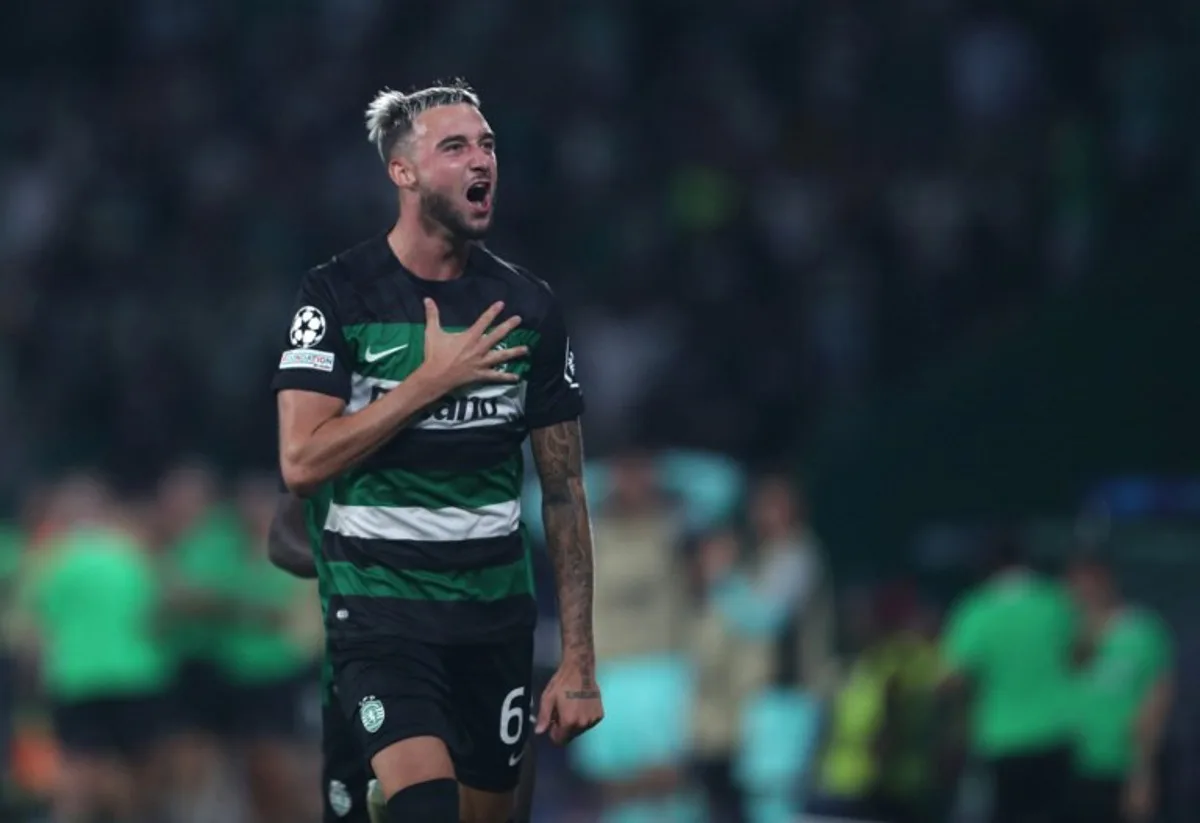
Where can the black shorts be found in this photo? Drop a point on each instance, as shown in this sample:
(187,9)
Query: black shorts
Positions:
(1096,800)
(125,726)
(344,770)
(206,700)
(274,710)
(1031,786)
(203,698)
(475,697)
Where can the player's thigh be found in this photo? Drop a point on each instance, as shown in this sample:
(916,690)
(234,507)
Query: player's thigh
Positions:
(344,773)
(492,704)
(396,698)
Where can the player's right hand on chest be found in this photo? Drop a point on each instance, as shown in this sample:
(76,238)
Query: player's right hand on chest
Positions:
(455,360)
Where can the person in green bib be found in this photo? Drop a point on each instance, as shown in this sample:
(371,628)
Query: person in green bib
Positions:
(1008,642)
(241,675)
(204,546)
(267,665)
(1123,695)
(93,600)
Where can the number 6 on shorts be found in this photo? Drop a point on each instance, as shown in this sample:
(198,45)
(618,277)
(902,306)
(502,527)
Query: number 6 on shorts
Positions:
(512,710)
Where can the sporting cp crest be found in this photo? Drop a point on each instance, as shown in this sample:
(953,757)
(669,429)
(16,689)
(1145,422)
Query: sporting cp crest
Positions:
(371,713)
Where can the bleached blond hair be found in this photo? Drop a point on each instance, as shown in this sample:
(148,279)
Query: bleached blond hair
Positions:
(391,114)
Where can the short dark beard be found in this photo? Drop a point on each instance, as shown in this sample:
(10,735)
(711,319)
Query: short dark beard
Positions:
(436,208)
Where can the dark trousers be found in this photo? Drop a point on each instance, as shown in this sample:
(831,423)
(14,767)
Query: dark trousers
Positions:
(1096,800)
(723,793)
(8,690)
(1031,787)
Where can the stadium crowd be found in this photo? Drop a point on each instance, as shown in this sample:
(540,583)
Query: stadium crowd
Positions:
(870,182)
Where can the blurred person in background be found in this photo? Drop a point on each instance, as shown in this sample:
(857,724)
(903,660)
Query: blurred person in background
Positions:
(637,755)
(203,553)
(875,755)
(94,602)
(79,499)
(46,512)
(783,592)
(729,668)
(1007,650)
(267,659)
(1123,695)
(773,607)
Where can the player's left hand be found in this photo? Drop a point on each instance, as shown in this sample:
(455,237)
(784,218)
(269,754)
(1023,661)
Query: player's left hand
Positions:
(570,704)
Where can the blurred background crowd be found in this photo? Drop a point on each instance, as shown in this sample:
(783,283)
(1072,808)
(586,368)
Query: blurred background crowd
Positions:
(934,256)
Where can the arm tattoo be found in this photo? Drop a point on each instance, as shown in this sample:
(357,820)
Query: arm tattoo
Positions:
(558,453)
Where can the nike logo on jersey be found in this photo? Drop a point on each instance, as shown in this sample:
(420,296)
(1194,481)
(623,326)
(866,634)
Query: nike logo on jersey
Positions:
(372,356)
(514,759)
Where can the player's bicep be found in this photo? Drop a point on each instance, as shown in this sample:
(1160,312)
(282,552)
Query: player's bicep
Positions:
(301,414)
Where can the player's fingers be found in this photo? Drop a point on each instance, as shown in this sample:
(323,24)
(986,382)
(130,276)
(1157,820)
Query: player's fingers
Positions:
(496,356)
(545,712)
(561,735)
(500,332)
(433,320)
(497,376)
(485,320)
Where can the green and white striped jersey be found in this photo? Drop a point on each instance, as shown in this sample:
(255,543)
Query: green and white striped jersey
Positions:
(424,539)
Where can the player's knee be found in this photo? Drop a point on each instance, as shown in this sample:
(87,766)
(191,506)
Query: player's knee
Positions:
(435,801)
(411,761)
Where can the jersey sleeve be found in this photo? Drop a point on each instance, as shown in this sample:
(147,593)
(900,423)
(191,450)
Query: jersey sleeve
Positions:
(553,394)
(314,353)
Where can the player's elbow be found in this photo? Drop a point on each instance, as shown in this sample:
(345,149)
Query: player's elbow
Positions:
(300,477)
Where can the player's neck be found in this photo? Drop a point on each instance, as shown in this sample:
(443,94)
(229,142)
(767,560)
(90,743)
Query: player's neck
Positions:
(427,253)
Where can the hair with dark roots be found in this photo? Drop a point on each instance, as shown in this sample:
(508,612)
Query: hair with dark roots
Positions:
(391,114)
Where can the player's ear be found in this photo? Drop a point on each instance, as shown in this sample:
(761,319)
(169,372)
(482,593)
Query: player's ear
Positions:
(401,172)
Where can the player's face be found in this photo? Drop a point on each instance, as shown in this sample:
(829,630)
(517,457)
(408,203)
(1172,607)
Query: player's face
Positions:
(454,156)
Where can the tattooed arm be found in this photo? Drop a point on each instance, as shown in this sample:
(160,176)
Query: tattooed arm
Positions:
(558,453)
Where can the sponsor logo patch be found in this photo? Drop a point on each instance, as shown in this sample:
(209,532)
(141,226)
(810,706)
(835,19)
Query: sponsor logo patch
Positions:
(307,359)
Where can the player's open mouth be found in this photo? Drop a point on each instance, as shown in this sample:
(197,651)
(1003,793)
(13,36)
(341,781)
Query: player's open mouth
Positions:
(480,194)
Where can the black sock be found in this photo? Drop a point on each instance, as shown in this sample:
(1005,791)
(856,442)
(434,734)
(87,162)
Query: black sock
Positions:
(434,801)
